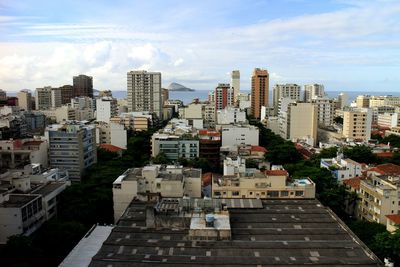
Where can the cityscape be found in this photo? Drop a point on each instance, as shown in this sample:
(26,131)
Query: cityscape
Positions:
(160,161)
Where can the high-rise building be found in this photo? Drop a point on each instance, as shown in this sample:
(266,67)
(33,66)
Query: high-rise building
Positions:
(235,83)
(312,91)
(72,147)
(259,91)
(3,95)
(67,93)
(83,85)
(106,107)
(298,121)
(223,96)
(343,99)
(43,98)
(25,100)
(362,101)
(291,91)
(357,124)
(165,95)
(144,92)
(326,110)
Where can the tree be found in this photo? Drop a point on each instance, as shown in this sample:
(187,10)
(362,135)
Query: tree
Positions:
(394,140)
(251,163)
(338,120)
(283,154)
(161,158)
(362,154)
(387,245)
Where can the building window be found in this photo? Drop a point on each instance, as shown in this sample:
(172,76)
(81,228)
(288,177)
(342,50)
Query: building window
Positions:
(299,193)
(284,193)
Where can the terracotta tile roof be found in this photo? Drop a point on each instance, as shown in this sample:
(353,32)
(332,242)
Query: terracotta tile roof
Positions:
(110,148)
(385,154)
(258,149)
(394,218)
(386,169)
(33,143)
(353,182)
(276,172)
(209,133)
(206,178)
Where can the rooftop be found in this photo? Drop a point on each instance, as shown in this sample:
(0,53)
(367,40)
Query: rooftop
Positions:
(394,218)
(353,182)
(110,148)
(281,232)
(387,169)
(17,200)
(49,188)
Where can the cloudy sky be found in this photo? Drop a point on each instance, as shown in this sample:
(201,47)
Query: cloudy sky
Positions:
(346,45)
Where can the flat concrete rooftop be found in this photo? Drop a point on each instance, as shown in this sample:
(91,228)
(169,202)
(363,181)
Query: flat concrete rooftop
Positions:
(281,232)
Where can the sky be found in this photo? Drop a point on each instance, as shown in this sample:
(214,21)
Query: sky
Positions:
(349,45)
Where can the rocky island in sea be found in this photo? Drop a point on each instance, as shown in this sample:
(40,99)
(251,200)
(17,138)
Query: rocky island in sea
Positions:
(179,87)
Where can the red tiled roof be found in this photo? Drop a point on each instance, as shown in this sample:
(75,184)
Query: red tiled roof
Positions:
(353,182)
(388,168)
(385,154)
(394,218)
(110,148)
(206,178)
(209,133)
(276,172)
(33,143)
(258,149)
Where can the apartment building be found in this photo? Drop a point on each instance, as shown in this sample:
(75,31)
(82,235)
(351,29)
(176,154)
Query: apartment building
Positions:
(389,120)
(72,147)
(111,133)
(298,121)
(25,99)
(209,113)
(235,135)
(239,182)
(231,115)
(223,96)
(20,152)
(291,91)
(342,168)
(377,101)
(209,145)
(379,193)
(144,92)
(154,180)
(235,82)
(43,98)
(259,91)
(136,121)
(325,109)
(362,101)
(106,107)
(312,91)
(83,86)
(357,124)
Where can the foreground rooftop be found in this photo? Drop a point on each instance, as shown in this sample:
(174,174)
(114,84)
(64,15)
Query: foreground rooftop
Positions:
(278,232)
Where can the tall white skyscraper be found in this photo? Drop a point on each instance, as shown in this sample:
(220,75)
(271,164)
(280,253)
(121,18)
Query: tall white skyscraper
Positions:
(144,92)
(312,91)
(291,91)
(235,83)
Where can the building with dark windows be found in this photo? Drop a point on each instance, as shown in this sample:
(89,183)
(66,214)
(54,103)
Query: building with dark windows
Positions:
(83,85)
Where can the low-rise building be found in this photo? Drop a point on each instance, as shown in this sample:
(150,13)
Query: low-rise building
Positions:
(241,182)
(388,120)
(20,152)
(158,180)
(111,133)
(357,124)
(392,222)
(342,168)
(231,115)
(235,135)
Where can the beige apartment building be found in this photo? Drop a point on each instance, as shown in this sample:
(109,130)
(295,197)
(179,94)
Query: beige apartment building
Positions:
(144,92)
(362,101)
(43,98)
(312,91)
(357,124)
(379,193)
(268,184)
(25,100)
(378,101)
(291,91)
(300,122)
(259,91)
(136,121)
(154,180)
